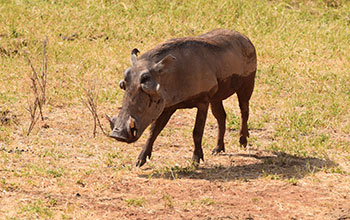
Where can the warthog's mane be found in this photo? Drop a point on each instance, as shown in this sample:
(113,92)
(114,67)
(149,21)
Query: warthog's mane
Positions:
(165,48)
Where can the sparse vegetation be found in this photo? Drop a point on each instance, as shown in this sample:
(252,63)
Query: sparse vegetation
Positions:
(38,88)
(293,181)
(90,102)
(168,201)
(139,202)
(37,209)
(297,163)
(207,201)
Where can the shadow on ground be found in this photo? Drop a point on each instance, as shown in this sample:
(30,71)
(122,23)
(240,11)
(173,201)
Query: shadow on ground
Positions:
(276,165)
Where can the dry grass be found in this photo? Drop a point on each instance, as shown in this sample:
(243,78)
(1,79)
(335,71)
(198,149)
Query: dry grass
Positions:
(38,87)
(297,165)
(90,101)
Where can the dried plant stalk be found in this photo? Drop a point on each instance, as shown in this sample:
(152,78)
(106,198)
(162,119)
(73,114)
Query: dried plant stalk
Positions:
(32,109)
(91,103)
(39,94)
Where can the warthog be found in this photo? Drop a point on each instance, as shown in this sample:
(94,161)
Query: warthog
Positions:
(186,73)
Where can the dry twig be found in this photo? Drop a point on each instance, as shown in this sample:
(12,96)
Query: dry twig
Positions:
(39,94)
(91,103)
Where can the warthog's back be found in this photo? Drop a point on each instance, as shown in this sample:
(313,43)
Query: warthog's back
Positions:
(202,62)
(238,53)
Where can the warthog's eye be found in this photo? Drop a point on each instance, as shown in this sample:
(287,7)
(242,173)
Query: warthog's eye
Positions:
(145,78)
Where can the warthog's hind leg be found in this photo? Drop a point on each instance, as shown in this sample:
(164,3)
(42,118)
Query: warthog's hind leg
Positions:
(198,131)
(244,94)
(219,113)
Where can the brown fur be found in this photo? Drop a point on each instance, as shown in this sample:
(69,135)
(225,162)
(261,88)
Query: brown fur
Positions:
(208,69)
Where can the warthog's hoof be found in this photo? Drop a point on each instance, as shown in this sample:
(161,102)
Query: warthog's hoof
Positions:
(143,157)
(243,141)
(140,163)
(218,149)
(197,156)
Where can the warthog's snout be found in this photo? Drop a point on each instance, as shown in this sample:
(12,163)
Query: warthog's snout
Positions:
(119,135)
(126,133)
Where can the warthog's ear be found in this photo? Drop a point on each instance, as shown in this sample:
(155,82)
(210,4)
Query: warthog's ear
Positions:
(164,65)
(133,57)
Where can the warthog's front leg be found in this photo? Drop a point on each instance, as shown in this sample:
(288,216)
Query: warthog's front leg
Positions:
(156,128)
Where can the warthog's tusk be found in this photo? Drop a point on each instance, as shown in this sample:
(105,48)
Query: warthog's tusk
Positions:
(108,118)
(132,124)
(133,131)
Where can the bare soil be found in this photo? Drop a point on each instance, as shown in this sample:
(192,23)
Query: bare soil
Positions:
(89,183)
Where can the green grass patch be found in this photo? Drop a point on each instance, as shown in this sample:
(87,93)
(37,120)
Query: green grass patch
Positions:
(138,202)
(37,208)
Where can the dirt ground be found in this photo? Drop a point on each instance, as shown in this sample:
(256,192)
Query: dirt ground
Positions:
(64,173)
(297,162)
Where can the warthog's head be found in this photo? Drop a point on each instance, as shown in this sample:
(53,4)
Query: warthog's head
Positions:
(142,102)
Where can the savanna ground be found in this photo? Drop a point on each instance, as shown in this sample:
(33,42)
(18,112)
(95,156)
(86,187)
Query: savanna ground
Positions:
(297,163)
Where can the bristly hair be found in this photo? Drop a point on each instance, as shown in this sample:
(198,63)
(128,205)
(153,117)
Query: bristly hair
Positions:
(179,43)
